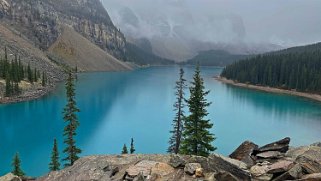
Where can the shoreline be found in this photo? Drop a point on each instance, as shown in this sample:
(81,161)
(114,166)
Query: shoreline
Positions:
(310,96)
(29,95)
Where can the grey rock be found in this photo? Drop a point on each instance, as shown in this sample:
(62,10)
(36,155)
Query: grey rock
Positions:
(294,173)
(244,152)
(235,167)
(225,176)
(191,168)
(177,161)
(318,144)
(311,177)
(10,177)
(310,160)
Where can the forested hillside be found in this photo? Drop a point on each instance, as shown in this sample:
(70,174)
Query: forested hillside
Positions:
(215,58)
(142,57)
(296,68)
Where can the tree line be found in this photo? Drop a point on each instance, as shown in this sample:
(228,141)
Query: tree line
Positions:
(300,71)
(13,72)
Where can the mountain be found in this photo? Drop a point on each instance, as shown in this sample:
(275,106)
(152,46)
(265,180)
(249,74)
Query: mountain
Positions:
(61,32)
(297,68)
(215,58)
(179,35)
(144,56)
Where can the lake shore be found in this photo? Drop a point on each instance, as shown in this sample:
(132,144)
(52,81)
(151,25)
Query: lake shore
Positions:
(29,95)
(310,96)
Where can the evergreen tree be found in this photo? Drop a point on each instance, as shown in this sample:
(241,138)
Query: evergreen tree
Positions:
(70,117)
(175,140)
(197,139)
(29,74)
(17,166)
(44,79)
(35,74)
(132,148)
(8,92)
(54,165)
(125,150)
(16,89)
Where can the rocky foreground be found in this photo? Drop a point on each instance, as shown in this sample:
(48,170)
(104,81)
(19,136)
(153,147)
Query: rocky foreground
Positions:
(274,161)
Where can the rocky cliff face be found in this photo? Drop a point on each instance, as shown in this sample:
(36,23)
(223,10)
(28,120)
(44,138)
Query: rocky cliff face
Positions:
(40,21)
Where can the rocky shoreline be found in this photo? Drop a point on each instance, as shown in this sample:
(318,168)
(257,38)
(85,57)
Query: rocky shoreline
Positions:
(315,97)
(249,162)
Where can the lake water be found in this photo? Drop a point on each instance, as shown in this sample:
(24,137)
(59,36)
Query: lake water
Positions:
(118,106)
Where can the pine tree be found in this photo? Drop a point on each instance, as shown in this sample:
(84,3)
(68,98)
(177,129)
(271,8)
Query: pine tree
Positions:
(196,136)
(54,165)
(125,150)
(17,166)
(132,148)
(70,117)
(175,140)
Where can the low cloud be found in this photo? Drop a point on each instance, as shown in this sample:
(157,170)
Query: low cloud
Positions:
(286,22)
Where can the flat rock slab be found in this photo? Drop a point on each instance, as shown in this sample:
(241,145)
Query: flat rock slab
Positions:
(280,166)
(281,146)
(270,154)
(147,167)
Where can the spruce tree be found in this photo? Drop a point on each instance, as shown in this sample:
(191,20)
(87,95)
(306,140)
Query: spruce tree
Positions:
(17,166)
(132,147)
(70,117)
(125,150)
(175,139)
(54,165)
(197,139)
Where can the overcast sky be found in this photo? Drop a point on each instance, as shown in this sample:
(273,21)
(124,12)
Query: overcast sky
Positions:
(283,22)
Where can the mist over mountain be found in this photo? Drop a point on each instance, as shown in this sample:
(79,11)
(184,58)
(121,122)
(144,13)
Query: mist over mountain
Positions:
(179,29)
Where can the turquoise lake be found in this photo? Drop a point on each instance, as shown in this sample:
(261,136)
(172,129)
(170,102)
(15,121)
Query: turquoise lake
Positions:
(120,105)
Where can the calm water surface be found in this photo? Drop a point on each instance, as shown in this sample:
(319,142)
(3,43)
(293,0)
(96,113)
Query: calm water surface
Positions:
(118,106)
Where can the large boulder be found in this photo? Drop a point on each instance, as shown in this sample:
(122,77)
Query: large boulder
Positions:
(225,176)
(310,160)
(294,173)
(281,146)
(259,171)
(244,153)
(177,161)
(10,177)
(235,167)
